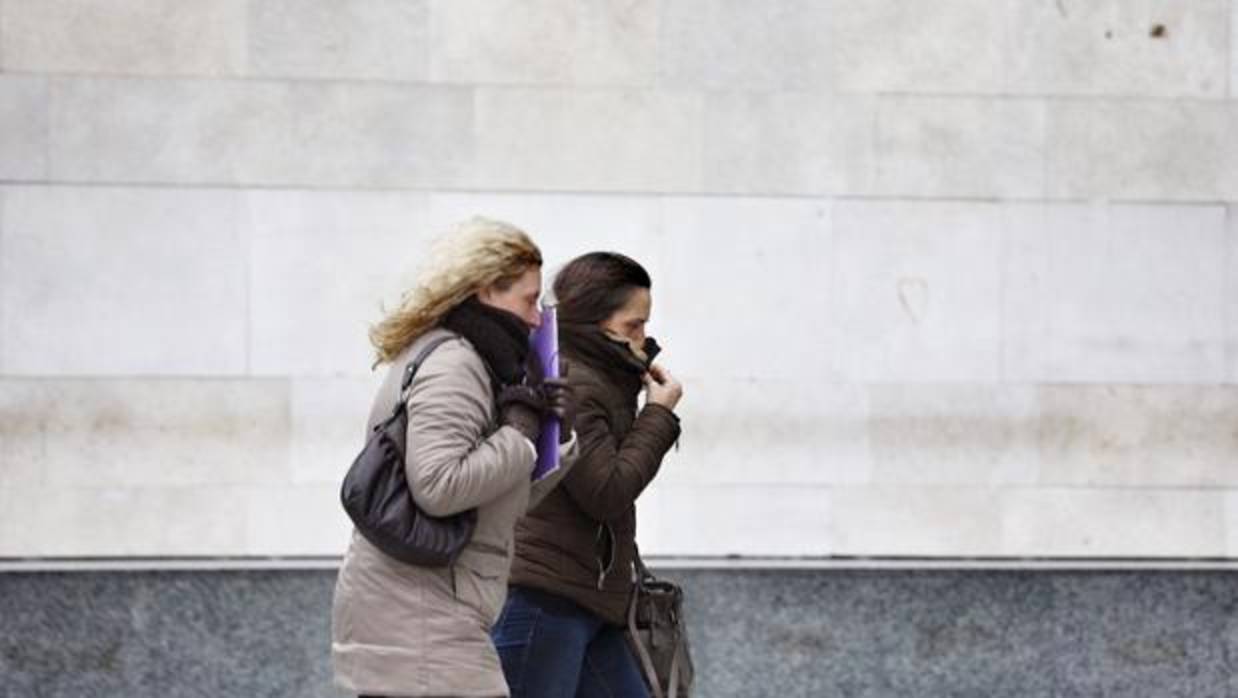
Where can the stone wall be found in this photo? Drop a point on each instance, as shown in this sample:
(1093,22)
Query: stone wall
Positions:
(947,279)
(783,633)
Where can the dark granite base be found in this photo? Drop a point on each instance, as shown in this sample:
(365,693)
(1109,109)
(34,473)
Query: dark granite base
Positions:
(870,634)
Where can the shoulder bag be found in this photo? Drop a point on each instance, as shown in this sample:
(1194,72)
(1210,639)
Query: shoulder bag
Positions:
(377,498)
(658,635)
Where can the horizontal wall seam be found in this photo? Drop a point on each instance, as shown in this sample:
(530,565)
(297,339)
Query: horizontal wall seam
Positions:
(18,565)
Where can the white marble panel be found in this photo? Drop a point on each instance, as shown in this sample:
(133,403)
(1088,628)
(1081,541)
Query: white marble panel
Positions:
(322,134)
(1231,290)
(1175,150)
(954,434)
(947,46)
(508,41)
(1114,523)
(960,147)
(789,143)
(747,294)
(110,130)
(916,291)
(588,140)
(728,45)
(357,39)
(136,37)
(915,521)
(747,520)
(1109,47)
(23,444)
(1231,522)
(769,432)
(565,226)
(127,522)
(328,418)
(10,527)
(110,281)
(1233,52)
(23,128)
(148,432)
(358,135)
(1026,260)
(552,42)
(1139,436)
(616,43)
(323,266)
(3,335)
(375,135)
(1124,294)
(295,520)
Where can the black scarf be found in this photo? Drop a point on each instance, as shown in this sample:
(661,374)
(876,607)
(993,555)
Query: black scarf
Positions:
(500,337)
(588,343)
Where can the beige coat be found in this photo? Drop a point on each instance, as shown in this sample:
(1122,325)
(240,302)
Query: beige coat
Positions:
(402,630)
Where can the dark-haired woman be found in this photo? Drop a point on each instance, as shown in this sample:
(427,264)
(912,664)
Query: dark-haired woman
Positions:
(561,631)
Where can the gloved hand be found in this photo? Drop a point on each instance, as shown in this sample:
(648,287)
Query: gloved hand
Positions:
(533,372)
(522,406)
(561,403)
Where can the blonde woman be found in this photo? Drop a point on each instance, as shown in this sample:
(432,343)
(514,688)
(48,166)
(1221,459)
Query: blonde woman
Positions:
(473,415)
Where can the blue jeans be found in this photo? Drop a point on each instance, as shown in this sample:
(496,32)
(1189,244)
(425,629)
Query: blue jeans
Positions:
(552,648)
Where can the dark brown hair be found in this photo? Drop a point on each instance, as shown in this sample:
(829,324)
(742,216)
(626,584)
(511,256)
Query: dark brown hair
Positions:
(593,286)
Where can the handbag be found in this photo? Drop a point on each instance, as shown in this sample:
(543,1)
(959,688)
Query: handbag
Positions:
(658,635)
(377,498)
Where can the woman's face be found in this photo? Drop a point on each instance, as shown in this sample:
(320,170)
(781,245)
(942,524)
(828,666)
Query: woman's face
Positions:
(629,320)
(519,299)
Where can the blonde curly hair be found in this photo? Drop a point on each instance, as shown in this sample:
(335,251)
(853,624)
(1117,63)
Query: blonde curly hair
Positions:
(477,253)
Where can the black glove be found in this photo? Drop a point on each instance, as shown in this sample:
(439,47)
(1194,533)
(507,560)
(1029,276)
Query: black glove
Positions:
(561,403)
(533,373)
(522,406)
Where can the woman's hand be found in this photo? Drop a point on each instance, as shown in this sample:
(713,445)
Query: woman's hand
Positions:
(561,403)
(663,388)
(521,406)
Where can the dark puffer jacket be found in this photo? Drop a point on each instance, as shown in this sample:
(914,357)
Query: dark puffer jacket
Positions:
(580,542)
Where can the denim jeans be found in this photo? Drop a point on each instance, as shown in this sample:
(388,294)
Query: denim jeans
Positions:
(552,648)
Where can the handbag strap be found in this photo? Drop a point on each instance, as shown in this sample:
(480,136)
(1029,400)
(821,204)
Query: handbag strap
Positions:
(643,575)
(406,383)
(638,565)
(673,679)
(646,661)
